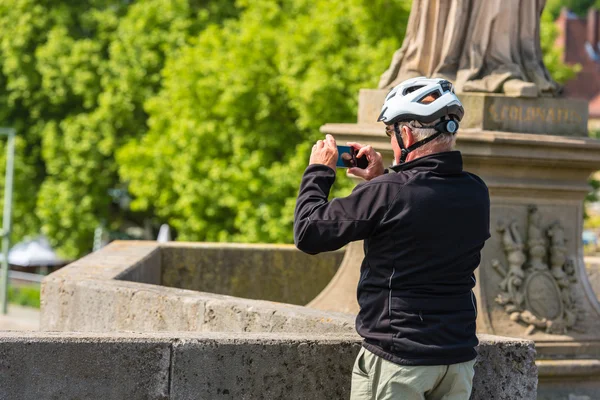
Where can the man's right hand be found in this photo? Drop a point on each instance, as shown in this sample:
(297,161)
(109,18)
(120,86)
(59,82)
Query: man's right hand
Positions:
(375,167)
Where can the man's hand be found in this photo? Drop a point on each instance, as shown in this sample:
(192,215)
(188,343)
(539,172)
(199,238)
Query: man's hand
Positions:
(375,167)
(325,152)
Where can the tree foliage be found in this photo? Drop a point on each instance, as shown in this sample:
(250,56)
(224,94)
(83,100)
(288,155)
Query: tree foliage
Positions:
(73,80)
(204,110)
(553,54)
(230,131)
(579,7)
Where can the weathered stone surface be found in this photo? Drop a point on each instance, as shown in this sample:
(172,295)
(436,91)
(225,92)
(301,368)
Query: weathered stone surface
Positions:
(94,294)
(319,367)
(179,365)
(517,371)
(89,298)
(489,112)
(46,366)
(259,271)
(109,306)
(581,375)
(119,260)
(548,116)
(263,368)
(370,102)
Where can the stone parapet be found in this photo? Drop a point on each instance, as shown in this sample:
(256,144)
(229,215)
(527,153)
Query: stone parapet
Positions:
(253,271)
(179,365)
(92,295)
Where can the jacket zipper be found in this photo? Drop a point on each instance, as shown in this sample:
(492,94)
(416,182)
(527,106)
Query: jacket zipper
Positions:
(472,297)
(390,294)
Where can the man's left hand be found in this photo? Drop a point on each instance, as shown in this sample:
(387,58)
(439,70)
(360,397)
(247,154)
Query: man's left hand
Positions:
(325,152)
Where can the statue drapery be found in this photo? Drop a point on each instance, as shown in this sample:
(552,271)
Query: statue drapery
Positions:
(480,45)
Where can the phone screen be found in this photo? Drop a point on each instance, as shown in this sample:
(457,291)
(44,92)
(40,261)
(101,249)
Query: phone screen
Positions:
(345,157)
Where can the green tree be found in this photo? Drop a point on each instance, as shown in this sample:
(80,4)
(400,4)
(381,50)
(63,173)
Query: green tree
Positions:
(203,109)
(579,7)
(230,131)
(553,54)
(74,77)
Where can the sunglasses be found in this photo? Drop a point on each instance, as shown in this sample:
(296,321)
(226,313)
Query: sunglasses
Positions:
(389,130)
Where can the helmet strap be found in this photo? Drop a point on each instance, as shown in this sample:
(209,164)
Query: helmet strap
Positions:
(403,150)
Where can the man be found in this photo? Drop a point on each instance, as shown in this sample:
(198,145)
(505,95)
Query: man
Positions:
(424,222)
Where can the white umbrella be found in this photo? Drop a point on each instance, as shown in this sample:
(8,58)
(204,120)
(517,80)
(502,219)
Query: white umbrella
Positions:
(33,253)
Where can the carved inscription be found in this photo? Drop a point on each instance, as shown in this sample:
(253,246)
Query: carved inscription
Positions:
(534,114)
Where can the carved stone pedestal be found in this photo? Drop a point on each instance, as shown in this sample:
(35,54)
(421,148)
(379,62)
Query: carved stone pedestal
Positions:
(493,112)
(532,281)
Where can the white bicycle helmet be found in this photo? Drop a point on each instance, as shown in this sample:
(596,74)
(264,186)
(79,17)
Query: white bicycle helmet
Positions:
(424,100)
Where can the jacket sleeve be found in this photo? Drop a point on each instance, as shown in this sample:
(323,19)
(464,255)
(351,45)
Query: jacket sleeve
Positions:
(320,225)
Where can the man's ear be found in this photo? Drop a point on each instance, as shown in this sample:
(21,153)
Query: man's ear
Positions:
(407,136)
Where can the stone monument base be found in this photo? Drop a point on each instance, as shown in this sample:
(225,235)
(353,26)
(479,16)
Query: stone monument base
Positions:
(492,112)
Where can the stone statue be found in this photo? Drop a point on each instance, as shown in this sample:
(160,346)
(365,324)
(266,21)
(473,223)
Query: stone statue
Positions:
(490,46)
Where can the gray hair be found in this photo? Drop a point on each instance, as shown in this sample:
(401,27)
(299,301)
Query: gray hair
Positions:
(422,131)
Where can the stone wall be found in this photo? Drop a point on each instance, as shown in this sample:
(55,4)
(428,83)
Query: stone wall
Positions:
(91,295)
(261,271)
(199,345)
(225,366)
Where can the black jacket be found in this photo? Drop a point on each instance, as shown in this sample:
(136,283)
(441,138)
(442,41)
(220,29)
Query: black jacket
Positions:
(424,225)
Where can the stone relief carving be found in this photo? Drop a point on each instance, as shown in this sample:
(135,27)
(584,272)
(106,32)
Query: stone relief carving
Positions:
(536,288)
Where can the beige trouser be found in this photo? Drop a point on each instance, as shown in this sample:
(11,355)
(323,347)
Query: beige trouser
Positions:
(374,378)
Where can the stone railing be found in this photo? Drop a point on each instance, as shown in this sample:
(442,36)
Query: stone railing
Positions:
(118,289)
(225,365)
(202,345)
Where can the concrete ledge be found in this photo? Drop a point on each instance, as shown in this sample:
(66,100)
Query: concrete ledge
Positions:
(112,306)
(215,365)
(569,368)
(253,271)
(117,289)
(44,366)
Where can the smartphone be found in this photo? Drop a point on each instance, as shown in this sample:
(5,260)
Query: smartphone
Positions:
(347,158)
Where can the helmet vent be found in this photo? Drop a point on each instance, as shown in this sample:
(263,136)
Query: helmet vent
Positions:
(412,89)
(430,97)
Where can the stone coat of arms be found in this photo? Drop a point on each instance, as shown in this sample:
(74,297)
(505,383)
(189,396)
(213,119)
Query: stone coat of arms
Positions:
(536,288)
